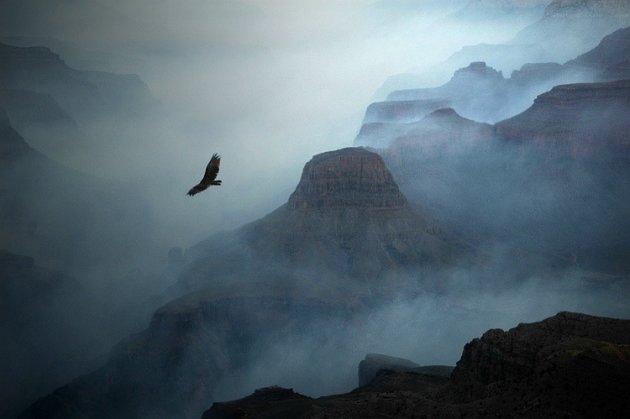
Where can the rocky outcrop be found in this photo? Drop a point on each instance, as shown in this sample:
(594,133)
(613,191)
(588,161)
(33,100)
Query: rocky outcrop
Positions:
(512,355)
(346,219)
(568,365)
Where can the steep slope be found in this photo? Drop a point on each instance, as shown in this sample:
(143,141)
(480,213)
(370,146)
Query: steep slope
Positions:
(567,365)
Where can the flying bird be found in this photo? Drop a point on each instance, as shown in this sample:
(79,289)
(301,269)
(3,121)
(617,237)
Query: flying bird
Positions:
(212,169)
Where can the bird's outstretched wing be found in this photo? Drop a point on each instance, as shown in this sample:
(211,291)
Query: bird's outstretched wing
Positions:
(212,169)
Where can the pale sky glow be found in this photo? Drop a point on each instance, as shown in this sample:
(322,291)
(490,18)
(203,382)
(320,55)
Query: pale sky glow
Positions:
(266,83)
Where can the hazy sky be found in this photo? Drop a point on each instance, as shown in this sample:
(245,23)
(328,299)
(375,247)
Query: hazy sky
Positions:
(266,83)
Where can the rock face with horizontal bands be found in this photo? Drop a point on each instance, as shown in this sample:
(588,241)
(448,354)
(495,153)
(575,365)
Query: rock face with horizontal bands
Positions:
(351,177)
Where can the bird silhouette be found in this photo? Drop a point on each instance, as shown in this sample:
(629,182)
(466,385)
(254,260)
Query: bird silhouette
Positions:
(212,169)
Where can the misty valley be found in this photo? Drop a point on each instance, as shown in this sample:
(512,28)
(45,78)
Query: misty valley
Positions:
(398,228)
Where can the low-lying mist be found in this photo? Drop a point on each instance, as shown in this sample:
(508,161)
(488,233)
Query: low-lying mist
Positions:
(430,329)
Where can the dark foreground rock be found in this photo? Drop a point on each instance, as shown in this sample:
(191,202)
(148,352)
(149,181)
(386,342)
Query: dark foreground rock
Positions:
(284,403)
(570,365)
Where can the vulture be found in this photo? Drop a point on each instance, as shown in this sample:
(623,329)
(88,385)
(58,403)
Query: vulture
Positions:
(212,169)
